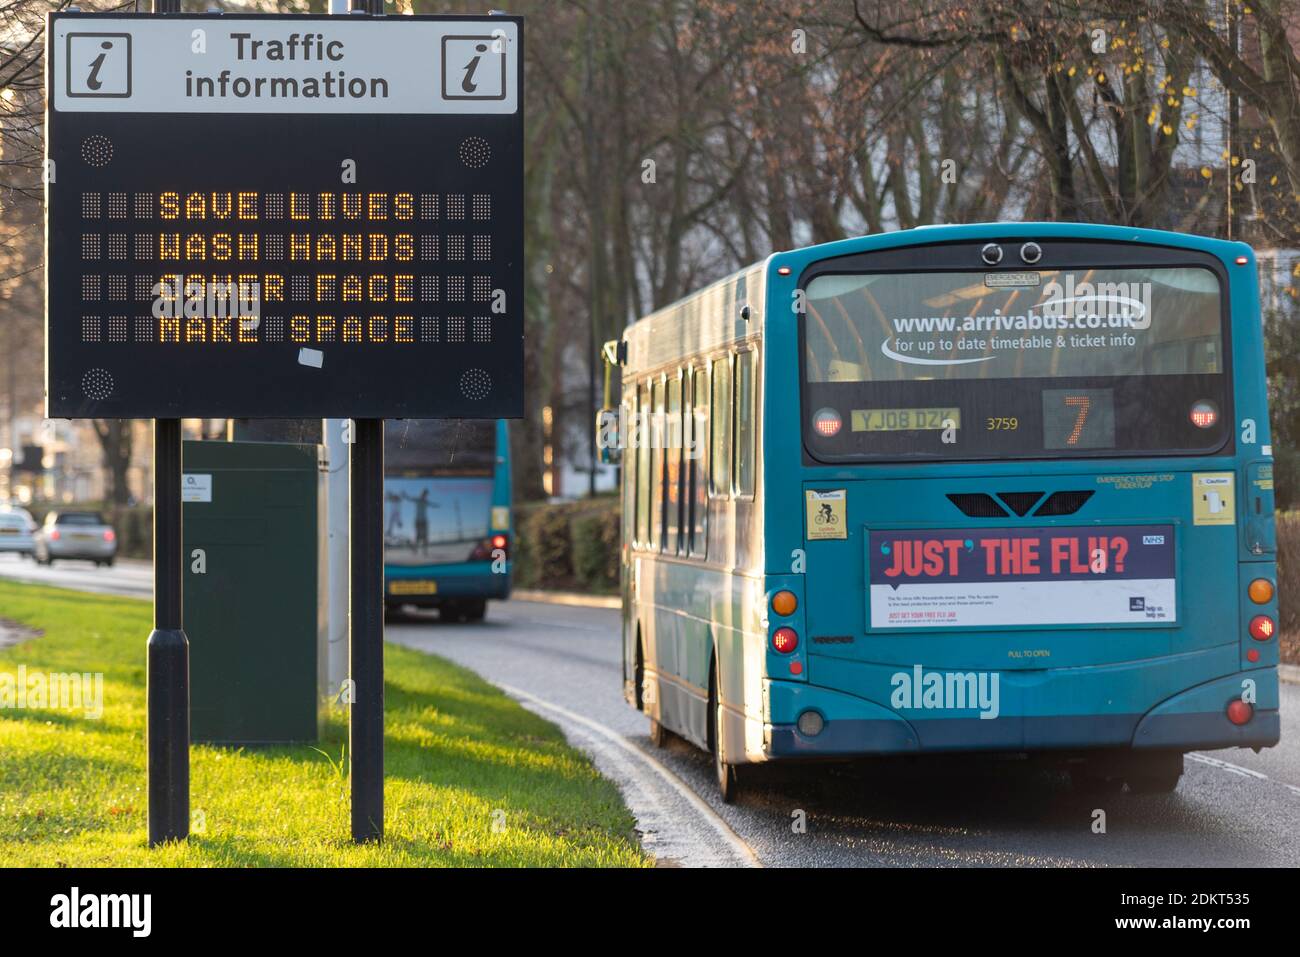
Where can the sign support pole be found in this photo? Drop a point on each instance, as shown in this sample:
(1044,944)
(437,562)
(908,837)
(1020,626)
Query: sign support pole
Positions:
(366,630)
(168,675)
(169,650)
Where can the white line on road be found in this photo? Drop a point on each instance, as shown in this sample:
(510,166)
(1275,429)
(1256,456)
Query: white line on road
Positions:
(710,816)
(1227,766)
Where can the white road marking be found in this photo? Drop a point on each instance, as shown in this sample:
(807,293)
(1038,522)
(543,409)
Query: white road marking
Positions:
(1227,766)
(729,837)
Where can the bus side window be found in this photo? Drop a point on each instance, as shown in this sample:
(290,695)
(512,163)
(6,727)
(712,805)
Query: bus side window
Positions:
(673,472)
(641,431)
(745,421)
(656,465)
(699,461)
(720,414)
(628,473)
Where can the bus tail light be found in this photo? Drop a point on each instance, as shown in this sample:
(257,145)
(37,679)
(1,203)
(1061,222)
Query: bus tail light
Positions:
(1239,712)
(1261,628)
(54,534)
(1260,591)
(1204,414)
(785,640)
(827,422)
(485,551)
(108,535)
(784,603)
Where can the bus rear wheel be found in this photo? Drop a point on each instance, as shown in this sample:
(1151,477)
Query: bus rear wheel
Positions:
(658,734)
(465,609)
(1155,772)
(726,774)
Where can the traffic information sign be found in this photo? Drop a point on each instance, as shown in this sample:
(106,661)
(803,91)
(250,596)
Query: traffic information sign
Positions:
(284,216)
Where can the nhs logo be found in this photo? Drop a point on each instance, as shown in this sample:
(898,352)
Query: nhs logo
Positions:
(1153,539)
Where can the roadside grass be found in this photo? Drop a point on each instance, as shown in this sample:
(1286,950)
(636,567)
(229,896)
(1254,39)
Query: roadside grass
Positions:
(472,779)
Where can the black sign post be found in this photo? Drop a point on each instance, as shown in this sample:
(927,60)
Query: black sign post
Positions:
(282,216)
(168,719)
(366,629)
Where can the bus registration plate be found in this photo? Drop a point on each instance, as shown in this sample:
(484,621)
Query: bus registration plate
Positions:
(413,588)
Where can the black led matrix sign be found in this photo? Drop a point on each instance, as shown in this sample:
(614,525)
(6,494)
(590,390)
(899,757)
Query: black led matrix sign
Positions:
(284,216)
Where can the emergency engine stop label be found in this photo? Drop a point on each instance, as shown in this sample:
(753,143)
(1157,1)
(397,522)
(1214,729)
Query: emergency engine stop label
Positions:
(961,578)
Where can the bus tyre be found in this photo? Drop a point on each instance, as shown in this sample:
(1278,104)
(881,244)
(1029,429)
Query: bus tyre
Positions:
(658,734)
(473,609)
(1155,772)
(728,784)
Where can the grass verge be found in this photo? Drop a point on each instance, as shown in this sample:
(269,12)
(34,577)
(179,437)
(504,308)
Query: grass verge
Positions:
(472,779)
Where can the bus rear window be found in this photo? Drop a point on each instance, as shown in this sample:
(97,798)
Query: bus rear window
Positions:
(440,447)
(959,365)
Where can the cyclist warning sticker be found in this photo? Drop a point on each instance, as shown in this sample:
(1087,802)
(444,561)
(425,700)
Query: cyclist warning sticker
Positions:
(1212,499)
(827,514)
(961,578)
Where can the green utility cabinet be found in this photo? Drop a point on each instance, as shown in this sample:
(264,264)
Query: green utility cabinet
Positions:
(255,612)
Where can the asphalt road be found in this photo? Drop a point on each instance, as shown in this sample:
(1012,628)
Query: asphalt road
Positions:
(126,577)
(1232,808)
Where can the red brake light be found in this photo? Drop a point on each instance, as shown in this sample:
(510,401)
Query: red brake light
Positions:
(108,535)
(827,422)
(1204,414)
(54,534)
(784,640)
(485,551)
(1262,628)
(1239,712)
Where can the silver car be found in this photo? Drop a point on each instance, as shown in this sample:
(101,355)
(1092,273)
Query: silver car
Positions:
(16,532)
(76,535)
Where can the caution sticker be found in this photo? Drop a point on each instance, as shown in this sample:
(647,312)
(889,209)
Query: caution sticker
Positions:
(827,514)
(1212,499)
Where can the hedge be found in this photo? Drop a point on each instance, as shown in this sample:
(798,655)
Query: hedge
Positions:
(1288,584)
(573,546)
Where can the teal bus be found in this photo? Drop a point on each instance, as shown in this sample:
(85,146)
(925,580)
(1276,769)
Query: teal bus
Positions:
(447,517)
(999,488)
